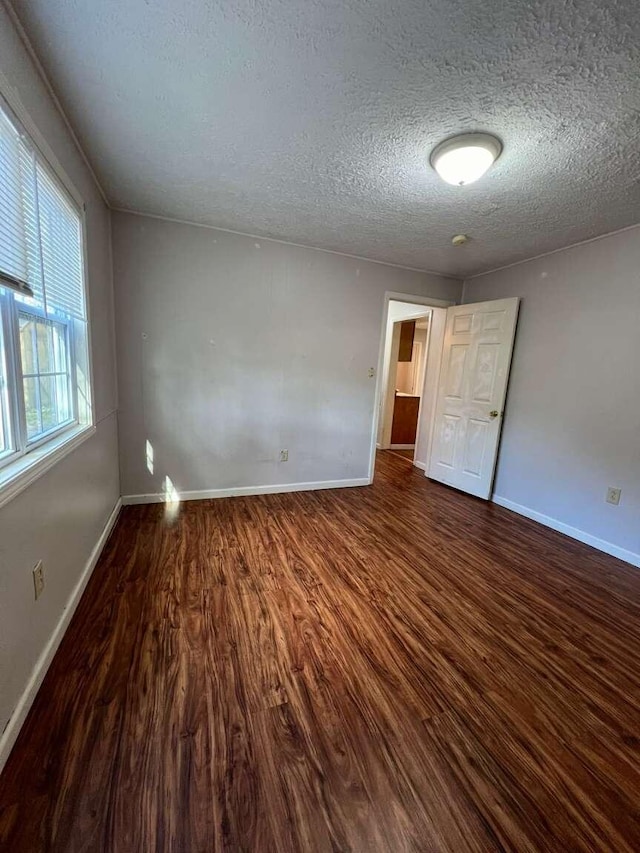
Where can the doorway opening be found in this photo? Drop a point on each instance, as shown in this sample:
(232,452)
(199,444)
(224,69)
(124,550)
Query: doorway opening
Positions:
(441,397)
(410,365)
(405,380)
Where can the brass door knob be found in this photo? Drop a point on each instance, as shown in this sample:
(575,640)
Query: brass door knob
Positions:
(494,413)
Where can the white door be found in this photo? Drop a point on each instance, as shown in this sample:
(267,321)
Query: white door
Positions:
(476,358)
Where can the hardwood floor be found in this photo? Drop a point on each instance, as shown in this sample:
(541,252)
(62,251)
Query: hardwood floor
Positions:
(324,671)
(403,454)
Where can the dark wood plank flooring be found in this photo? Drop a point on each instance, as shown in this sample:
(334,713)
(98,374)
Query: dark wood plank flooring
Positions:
(403,454)
(392,668)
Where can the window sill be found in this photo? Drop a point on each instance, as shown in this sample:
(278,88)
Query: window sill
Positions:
(23,472)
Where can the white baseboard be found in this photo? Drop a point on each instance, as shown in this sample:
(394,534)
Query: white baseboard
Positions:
(241,491)
(420,465)
(402,447)
(573,532)
(12,730)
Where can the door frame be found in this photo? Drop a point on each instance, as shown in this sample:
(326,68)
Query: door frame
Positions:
(390,295)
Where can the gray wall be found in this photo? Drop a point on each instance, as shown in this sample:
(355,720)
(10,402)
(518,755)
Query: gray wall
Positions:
(59,518)
(232,348)
(572,424)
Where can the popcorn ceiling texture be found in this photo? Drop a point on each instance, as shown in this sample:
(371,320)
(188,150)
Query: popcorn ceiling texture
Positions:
(312,121)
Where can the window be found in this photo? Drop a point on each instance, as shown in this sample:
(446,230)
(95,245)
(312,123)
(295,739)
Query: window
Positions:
(45,395)
(45,374)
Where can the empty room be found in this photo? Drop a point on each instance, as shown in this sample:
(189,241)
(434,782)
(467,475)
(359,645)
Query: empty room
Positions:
(319,512)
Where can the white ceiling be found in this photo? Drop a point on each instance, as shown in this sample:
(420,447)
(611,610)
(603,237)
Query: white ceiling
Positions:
(312,121)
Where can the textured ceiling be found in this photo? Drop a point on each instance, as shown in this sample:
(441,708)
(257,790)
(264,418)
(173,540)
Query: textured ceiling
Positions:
(312,121)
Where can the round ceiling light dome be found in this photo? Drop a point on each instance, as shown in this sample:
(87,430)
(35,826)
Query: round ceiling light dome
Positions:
(463,159)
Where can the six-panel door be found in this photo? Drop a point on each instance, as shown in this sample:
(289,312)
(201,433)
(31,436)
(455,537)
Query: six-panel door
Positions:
(471,394)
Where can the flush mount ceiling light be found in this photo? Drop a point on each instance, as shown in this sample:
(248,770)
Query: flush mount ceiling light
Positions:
(463,159)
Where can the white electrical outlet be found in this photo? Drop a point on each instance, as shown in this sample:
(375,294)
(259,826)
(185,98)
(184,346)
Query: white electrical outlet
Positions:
(284,455)
(613,495)
(38,579)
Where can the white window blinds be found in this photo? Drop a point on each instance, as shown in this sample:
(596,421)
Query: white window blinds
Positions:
(40,229)
(17,206)
(61,242)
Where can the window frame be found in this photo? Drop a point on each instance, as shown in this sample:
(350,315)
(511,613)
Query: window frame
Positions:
(26,461)
(28,444)
(7,390)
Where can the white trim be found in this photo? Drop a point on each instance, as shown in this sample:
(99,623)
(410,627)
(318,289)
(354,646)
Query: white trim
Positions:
(448,276)
(114,337)
(573,532)
(402,447)
(389,295)
(12,730)
(89,317)
(429,301)
(241,491)
(18,475)
(546,254)
(45,155)
(437,328)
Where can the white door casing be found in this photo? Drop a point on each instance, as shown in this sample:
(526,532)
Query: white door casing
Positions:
(471,394)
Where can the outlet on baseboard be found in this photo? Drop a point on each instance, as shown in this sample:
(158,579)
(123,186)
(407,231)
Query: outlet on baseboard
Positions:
(284,455)
(38,579)
(613,495)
